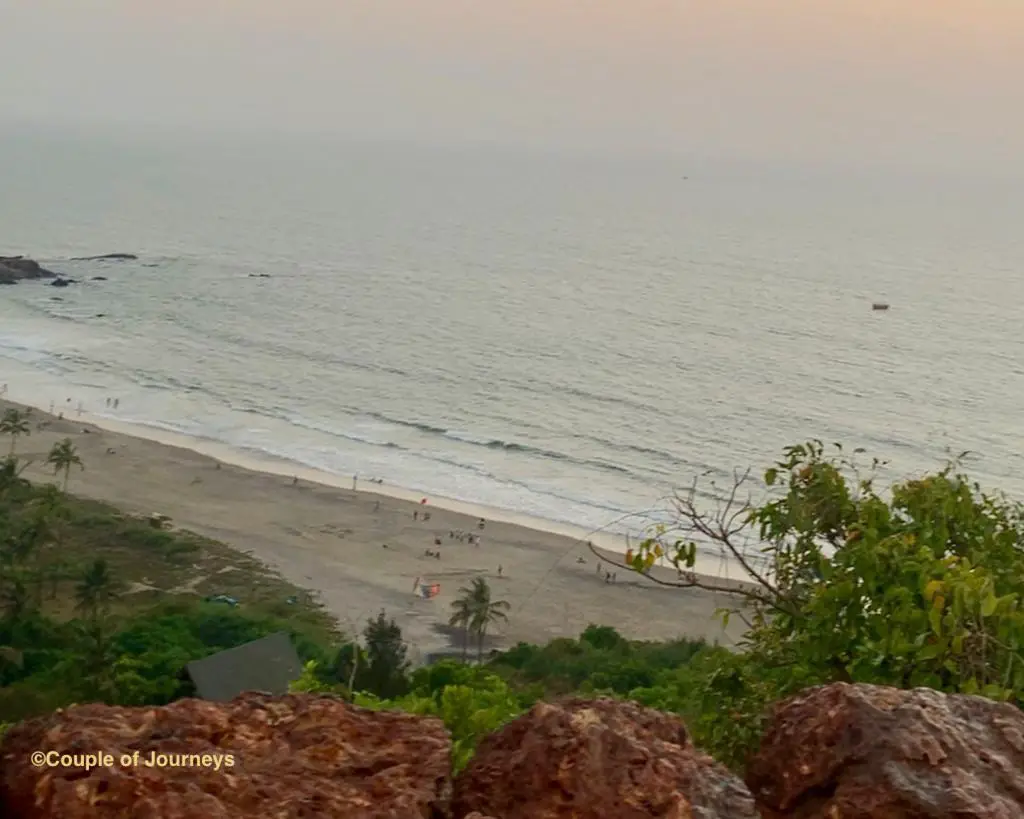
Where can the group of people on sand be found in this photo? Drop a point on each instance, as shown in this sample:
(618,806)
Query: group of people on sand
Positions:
(464,537)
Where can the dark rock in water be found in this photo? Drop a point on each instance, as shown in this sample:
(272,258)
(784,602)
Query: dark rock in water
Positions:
(111,257)
(101,315)
(151,264)
(59,282)
(259,275)
(56,298)
(15,268)
(99,278)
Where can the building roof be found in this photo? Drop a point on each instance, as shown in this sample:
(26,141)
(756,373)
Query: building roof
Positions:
(268,665)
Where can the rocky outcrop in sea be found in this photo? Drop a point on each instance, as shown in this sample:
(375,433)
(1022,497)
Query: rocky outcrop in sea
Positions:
(14,269)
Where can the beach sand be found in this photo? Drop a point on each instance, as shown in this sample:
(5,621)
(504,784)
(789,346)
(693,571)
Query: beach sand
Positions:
(321,535)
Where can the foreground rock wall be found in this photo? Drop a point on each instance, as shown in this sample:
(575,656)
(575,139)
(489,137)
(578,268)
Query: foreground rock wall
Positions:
(867,752)
(834,752)
(589,759)
(291,756)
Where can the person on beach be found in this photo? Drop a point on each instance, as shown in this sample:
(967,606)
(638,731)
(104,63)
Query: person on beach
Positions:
(500,570)
(415,514)
(376,506)
(117,403)
(481,524)
(355,480)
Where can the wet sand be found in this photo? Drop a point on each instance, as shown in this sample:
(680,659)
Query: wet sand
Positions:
(323,536)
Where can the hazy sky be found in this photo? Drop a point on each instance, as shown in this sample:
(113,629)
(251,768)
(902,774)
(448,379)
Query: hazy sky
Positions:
(889,80)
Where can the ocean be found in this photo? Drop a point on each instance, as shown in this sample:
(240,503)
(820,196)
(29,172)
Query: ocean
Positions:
(569,338)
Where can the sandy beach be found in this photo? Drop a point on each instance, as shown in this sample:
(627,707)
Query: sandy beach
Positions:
(363,550)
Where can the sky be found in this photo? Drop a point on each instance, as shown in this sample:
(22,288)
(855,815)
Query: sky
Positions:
(903,81)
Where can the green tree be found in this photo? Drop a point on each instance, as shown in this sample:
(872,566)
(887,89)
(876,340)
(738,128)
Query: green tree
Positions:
(475,611)
(602,637)
(462,616)
(94,663)
(918,585)
(15,597)
(62,457)
(312,682)
(96,590)
(486,612)
(14,423)
(386,668)
(472,703)
(10,475)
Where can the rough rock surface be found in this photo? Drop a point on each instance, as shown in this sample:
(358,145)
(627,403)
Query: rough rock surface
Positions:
(15,268)
(869,752)
(594,759)
(299,755)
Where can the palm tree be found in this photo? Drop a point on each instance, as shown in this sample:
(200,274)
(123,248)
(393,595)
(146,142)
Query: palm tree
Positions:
(462,616)
(96,589)
(15,599)
(474,611)
(488,613)
(62,457)
(10,473)
(50,511)
(14,423)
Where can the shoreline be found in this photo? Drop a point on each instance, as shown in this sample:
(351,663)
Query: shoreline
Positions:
(542,560)
(614,544)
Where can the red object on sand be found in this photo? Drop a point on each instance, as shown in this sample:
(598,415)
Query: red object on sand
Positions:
(424,500)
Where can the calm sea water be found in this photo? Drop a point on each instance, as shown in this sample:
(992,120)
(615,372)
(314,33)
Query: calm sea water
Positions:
(568,338)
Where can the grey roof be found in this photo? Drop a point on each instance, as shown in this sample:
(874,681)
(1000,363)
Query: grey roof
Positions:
(268,664)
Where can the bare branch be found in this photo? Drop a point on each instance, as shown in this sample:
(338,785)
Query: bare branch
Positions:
(730,519)
(692,580)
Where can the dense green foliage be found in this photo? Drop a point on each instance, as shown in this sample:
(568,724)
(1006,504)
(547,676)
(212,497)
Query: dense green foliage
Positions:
(919,584)
(72,629)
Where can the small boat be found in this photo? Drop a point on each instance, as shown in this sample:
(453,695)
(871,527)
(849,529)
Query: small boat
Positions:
(879,305)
